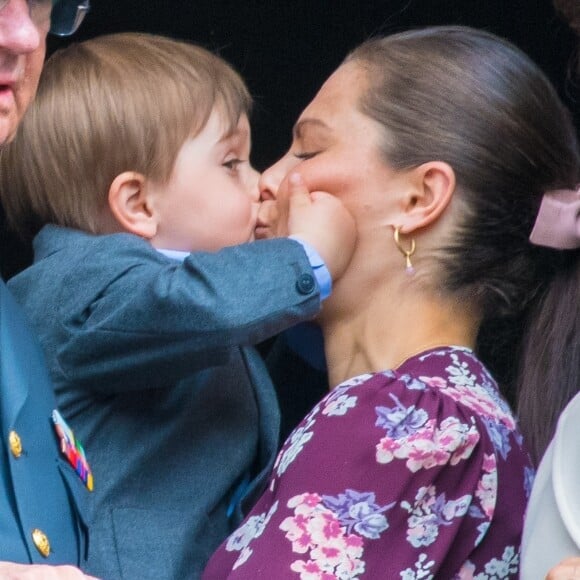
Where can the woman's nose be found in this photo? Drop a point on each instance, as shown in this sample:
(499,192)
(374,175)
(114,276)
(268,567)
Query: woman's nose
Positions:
(271,179)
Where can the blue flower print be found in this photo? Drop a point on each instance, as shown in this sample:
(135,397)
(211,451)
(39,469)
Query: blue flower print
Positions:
(460,374)
(504,568)
(422,569)
(529,476)
(412,383)
(499,435)
(400,421)
(431,511)
(359,511)
(482,529)
(389,374)
(475,512)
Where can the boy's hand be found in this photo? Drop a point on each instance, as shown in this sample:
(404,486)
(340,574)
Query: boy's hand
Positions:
(11,571)
(317,218)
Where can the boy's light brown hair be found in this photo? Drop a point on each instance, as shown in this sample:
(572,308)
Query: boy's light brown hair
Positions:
(120,102)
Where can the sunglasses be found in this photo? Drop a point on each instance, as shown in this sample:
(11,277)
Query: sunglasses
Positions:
(65,15)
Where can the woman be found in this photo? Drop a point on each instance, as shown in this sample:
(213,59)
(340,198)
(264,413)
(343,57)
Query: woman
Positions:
(441,143)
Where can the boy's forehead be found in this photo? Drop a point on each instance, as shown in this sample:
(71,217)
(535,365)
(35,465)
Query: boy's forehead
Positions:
(230,125)
(224,128)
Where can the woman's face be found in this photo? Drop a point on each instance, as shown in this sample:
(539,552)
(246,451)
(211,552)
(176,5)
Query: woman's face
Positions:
(335,148)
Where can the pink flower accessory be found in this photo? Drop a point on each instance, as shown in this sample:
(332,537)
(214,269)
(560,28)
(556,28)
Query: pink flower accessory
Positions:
(558,222)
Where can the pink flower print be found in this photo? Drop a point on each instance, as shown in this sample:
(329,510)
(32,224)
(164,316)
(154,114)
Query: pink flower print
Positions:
(311,500)
(386,450)
(468,442)
(308,570)
(354,546)
(489,463)
(436,382)
(424,455)
(311,571)
(324,528)
(481,402)
(467,572)
(334,553)
(297,533)
(487,486)
(430,446)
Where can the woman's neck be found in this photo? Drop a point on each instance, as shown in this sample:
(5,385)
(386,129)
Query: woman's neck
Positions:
(383,330)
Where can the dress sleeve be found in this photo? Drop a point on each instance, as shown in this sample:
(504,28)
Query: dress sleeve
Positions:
(390,479)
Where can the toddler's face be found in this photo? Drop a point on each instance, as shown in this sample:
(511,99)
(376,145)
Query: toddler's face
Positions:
(211,200)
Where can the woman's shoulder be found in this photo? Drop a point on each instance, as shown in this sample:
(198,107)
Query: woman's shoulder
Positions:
(443,382)
(457,377)
(441,399)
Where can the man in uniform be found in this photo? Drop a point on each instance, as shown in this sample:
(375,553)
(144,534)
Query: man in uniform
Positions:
(43,533)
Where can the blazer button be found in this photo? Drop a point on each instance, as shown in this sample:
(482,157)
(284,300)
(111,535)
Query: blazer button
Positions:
(41,542)
(15,444)
(305,284)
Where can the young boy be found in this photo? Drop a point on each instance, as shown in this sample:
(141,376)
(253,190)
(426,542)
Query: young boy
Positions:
(136,152)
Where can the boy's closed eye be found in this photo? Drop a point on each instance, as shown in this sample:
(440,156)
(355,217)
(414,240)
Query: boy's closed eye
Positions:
(232,164)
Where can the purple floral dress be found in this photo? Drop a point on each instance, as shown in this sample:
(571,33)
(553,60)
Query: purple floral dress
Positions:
(417,473)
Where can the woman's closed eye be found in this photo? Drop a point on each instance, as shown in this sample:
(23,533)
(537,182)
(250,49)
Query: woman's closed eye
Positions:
(304,155)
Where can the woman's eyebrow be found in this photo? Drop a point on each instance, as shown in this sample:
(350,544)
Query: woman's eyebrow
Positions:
(298,129)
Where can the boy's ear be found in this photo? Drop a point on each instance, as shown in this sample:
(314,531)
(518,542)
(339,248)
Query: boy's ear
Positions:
(130,204)
(432,187)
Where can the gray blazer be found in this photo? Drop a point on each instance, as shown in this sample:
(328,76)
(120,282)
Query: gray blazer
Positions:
(145,357)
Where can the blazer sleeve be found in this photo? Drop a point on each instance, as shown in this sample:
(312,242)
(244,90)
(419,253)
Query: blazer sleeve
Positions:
(148,312)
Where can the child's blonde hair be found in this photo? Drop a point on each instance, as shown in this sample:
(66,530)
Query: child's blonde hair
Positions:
(120,102)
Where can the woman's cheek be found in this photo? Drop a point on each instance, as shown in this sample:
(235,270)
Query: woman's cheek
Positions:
(321,178)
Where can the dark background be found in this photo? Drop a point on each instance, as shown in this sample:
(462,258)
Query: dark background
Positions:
(285,49)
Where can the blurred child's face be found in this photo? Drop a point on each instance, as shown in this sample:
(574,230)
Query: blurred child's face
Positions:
(211,200)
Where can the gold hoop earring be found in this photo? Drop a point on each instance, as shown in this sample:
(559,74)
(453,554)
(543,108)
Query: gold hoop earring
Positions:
(406,252)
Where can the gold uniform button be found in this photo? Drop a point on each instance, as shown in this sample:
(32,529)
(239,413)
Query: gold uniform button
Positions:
(41,542)
(15,444)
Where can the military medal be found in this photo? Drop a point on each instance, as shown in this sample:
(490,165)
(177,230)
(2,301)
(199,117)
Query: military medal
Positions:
(72,449)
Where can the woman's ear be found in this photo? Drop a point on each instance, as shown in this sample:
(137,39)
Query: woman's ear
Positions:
(130,204)
(433,184)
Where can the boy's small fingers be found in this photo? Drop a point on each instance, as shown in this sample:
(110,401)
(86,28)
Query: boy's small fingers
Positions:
(296,185)
(299,194)
(320,195)
(295,180)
